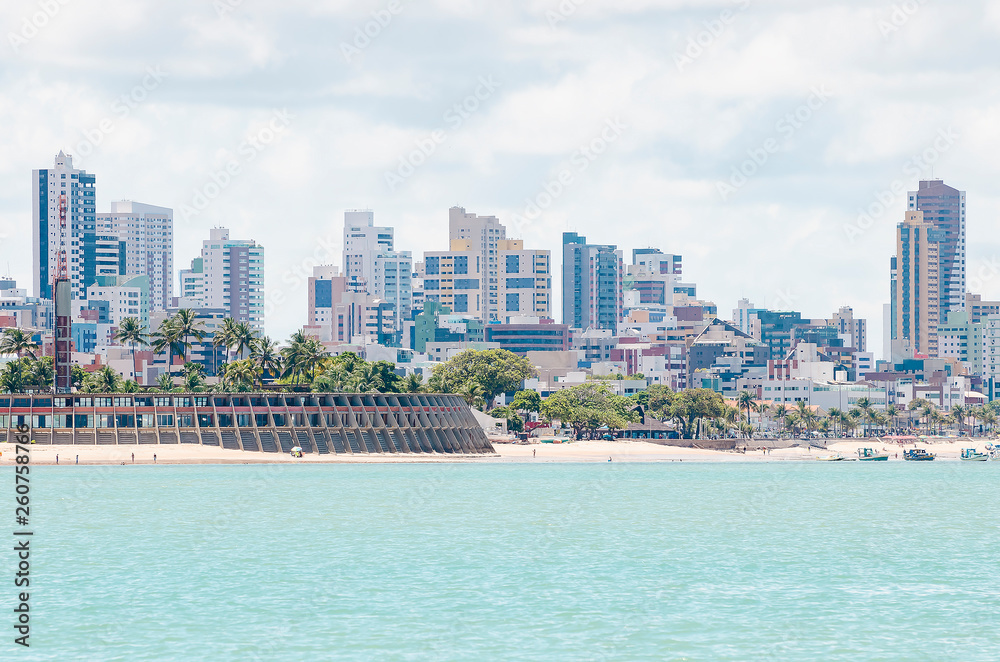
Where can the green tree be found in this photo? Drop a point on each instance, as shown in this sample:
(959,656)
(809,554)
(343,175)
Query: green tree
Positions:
(105,380)
(14,377)
(131,332)
(165,382)
(167,338)
(412,383)
(744,401)
(526,403)
(267,357)
(495,371)
(514,422)
(188,326)
(588,407)
(302,357)
(689,406)
(19,342)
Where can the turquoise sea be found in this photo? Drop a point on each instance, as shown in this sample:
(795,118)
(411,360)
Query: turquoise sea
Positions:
(674,561)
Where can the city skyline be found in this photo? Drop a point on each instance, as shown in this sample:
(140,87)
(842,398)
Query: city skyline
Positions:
(832,182)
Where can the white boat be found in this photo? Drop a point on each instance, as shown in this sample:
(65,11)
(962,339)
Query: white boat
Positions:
(972,455)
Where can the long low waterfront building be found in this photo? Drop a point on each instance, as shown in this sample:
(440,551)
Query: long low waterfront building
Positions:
(342,423)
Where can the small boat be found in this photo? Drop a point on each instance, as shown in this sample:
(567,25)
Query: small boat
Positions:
(971,455)
(993,451)
(918,455)
(871,455)
(831,458)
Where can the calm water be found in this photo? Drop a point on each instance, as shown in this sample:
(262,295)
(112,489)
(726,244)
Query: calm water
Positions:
(782,561)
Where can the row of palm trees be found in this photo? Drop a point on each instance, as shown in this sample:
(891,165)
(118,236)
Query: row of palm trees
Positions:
(863,415)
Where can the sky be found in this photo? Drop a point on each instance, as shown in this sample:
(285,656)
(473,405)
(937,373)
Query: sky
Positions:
(771,143)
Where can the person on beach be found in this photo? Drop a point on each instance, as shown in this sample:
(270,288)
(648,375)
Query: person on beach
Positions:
(154,458)
(57,458)
(533,451)
(78,459)
(133,458)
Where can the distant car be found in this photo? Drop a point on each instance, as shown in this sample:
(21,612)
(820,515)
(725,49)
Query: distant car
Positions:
(608,437)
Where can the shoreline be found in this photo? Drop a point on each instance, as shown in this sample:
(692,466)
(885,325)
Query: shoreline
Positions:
(575,452)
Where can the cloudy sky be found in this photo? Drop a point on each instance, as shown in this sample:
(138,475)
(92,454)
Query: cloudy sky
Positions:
(628,121)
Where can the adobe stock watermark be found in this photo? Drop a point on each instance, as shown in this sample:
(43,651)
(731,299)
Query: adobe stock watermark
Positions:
(785,128)
(454,118)
(914,168)
(698,44)
(899,15)
(325,249)
(32,25)
(247,151)
(563,12)
(225,7)
(982,272)
(579,162)
(365,34)
(121,108)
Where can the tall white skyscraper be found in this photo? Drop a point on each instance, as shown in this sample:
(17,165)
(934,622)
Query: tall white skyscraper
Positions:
(229,275)
(372,266)
(146,234)
(481,234)
(64,227)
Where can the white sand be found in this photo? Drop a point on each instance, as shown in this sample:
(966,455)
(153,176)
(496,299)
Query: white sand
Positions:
(582,451)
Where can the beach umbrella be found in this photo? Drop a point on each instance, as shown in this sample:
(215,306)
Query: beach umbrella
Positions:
(297,449)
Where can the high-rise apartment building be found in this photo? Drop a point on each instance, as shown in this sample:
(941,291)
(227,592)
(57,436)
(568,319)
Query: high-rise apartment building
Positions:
(228,275)
(454,279)
(481,235)
(64,227)
(592,284)
(916,294)
(943,208)
(525,281)
(146,236)
(339,316)
(373,267)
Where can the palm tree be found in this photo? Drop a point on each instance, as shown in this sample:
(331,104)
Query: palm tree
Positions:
(988,418)
(130,386)
(958,414)
(781,413)
(865,405)
(165,383)
(243,338)
(927,411)
(19,342)
(167,337)
(413,383)
(473,394)
(105,380)
(188,326)
(13,377)
(761,409)
(133,333)
(223,337)
(745,401)
(302,356)
(833,414)
(892,412)
(266,356)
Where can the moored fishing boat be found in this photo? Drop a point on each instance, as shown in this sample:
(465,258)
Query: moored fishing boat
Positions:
(918,455)
(871,455)
(972,455)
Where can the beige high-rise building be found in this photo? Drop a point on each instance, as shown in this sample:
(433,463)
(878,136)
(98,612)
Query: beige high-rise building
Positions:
(916,287)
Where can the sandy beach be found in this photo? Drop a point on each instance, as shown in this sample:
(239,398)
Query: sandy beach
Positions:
(581,451)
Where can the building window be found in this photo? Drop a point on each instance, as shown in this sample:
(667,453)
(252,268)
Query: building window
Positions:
(513,302)
(513,264)
(461,303)
(432,265)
